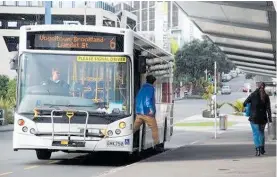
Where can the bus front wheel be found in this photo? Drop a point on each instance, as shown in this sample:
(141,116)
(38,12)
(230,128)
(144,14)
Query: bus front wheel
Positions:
(43,154)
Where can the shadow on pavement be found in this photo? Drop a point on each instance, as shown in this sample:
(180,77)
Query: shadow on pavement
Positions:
(114,159)
(213,152)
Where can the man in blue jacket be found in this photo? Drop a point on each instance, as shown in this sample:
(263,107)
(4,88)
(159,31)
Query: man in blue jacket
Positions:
(146,108)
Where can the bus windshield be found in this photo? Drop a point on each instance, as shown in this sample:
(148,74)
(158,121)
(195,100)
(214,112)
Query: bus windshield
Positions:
(89,83)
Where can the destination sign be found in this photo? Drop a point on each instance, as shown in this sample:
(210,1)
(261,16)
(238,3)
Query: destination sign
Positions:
(87,41)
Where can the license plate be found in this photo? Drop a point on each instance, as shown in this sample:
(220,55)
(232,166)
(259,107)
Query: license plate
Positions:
(115,143)
(64,142)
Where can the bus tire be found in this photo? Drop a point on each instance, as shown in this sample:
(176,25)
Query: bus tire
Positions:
(43,154)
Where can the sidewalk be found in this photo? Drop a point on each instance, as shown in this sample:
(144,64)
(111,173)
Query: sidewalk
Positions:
(6,128)
(232,154)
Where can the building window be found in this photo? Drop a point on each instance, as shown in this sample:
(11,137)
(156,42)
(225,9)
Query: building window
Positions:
(12,24)
(136,5)
(151,3)
(175,16)
(151,13)
(152,25)
(79,4)
(144,26)
(137,13)
(144,4)
(10,3)
(127,7)
(55,4)
(22,3)
(37,3)
(144,15)
(169,14)
(67,4)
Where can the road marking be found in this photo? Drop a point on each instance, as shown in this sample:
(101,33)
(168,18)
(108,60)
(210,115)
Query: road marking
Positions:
(31,167)
(53,161)
(7,173)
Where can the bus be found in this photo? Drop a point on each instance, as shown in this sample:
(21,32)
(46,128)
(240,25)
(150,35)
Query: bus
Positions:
(76,89)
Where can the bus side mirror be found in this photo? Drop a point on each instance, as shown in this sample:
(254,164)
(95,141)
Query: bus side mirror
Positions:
(13,64)
(142,64)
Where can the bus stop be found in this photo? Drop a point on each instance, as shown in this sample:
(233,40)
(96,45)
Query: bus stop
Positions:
(244,31)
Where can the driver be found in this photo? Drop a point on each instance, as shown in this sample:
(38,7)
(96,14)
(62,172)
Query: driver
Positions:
(55,79)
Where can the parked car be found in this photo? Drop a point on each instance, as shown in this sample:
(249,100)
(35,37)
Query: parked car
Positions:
(226,90)
(246,87)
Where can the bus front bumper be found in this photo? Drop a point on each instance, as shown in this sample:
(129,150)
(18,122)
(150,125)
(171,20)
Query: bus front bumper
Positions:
(31,142)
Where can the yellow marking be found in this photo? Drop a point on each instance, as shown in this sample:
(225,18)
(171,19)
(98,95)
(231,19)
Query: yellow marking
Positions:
(7,173)
(53,161)
(69,114)
(101,59)
(64,142)
(31,167)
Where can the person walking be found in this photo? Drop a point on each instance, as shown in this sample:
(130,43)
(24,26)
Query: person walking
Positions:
(259,116)
(146,108)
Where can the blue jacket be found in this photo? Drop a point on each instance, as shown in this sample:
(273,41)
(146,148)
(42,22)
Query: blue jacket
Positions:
(145,100)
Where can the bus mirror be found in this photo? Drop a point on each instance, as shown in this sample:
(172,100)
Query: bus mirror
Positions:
(142,64)
(13,64)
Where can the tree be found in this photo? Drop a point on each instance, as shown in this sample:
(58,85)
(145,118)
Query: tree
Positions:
(11,93)
(195,57)
(3,86)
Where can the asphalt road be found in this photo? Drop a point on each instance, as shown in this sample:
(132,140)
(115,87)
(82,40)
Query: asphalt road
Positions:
(188,107)
(25,163)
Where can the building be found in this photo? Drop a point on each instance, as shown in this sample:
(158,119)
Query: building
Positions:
(14,14)
(161,22)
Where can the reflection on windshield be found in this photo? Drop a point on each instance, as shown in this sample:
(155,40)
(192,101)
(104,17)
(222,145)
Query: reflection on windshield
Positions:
(84,81)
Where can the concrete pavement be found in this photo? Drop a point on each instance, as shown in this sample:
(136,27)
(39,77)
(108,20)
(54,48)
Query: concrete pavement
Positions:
(232,154)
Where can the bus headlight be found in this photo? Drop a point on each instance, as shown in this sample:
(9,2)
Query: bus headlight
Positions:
(25,129)
(122,125)
(32,131)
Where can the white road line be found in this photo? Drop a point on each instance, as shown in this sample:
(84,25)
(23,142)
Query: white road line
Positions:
(121,168)
(7,173)
(31,167)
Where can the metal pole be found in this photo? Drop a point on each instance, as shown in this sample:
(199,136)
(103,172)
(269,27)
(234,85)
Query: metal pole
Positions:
(47,15)
(85,15)
(215,108)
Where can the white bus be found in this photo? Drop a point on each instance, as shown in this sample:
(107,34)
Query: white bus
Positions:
(99,71)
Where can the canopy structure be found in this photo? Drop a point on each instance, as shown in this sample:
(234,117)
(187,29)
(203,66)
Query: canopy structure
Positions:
(160,62)
(244,30)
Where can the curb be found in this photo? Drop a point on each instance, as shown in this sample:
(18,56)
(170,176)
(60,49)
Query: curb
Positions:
(6,128)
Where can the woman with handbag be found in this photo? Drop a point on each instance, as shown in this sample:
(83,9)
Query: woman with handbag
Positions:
(259,116)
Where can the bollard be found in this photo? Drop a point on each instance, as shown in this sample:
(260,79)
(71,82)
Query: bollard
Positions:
(2,116)
(272,127)
(223,122)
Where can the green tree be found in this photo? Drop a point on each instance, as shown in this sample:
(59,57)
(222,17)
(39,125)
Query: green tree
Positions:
(195,57)
(4,80)
(11,93)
